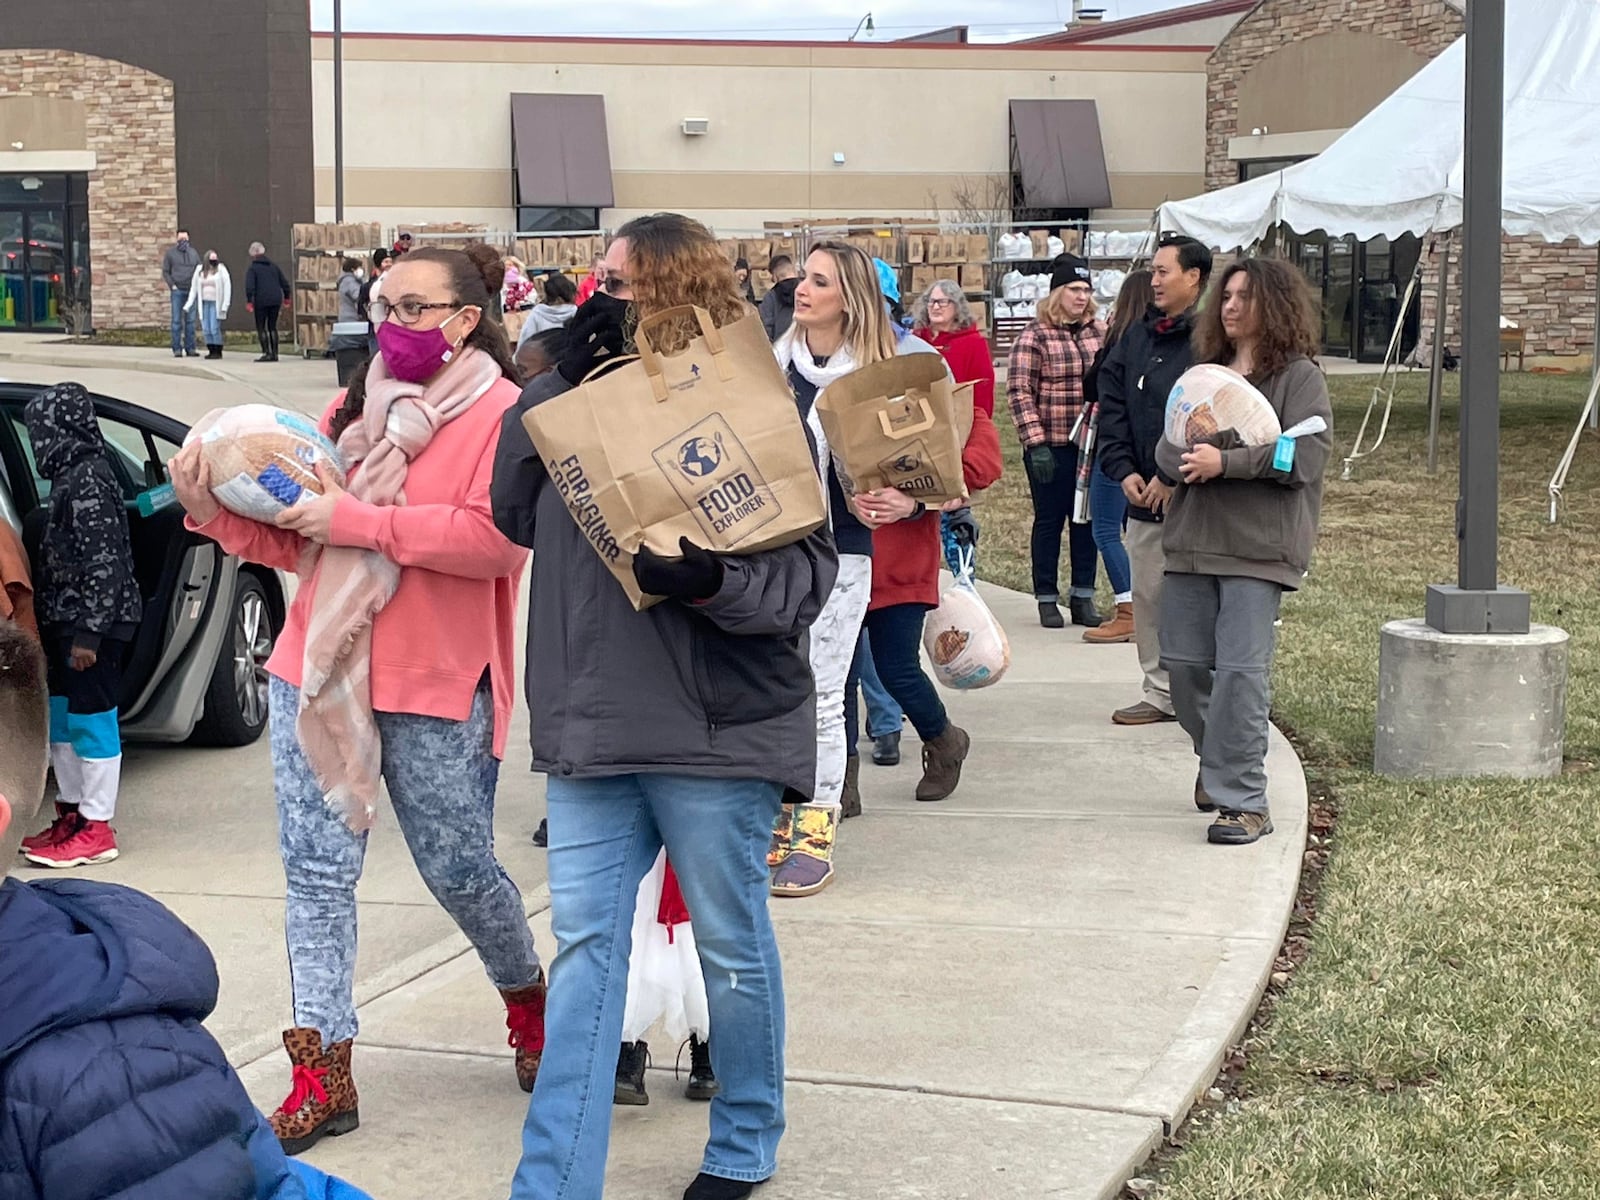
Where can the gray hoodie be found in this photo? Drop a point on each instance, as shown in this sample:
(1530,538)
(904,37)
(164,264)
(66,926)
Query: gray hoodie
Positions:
(179,264)
(721,689)
(545,316)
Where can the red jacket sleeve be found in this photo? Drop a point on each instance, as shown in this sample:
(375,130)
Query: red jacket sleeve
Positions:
(981,463)
(978,368)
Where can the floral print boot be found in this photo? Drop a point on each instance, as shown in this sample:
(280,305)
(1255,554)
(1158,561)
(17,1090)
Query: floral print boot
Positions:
(782,836)
(808,868)
(322,1102)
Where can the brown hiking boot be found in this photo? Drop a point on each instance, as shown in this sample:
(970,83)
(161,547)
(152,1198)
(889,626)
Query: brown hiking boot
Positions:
(525,1020)
(941,763)
(323,1101)
(850,798)
(1233,828)
(1118,629)
(1142,713)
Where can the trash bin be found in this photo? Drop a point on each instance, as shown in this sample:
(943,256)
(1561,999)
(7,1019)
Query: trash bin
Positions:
(349,346)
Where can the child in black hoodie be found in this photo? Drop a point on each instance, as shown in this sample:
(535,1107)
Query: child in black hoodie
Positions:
(89,609)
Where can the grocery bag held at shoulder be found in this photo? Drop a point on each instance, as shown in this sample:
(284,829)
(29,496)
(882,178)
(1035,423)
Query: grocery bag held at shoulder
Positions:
(893,424)
(705,444)
(964,641)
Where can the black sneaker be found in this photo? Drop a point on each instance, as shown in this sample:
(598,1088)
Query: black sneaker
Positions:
(631,1062)
(541,835)
(703,1083)
(1234,828)
(886,749)
(1050,615)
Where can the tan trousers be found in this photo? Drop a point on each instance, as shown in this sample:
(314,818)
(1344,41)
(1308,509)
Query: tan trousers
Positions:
(1149,563)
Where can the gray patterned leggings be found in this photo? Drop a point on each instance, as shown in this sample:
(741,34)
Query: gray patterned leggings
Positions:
(441,777)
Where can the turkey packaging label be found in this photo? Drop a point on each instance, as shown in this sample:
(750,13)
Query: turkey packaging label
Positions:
(964,641)
(262,459)
(1210,399)
(894,424)
(706,444)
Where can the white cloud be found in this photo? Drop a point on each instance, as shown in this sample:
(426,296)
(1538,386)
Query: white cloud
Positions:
(816,20)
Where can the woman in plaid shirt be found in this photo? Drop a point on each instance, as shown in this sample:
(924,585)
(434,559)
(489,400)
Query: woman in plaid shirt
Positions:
(1044,384)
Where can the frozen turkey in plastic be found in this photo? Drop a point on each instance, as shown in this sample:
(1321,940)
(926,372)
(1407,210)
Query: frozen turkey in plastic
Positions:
(263,459)
(1210,398)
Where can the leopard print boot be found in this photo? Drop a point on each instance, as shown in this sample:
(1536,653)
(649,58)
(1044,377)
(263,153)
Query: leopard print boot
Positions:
(323,1101)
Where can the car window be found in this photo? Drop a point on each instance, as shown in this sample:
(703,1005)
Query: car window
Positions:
(127,455)
(20,428)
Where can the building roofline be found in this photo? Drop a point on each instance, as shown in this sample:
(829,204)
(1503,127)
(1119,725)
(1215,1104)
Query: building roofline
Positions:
(775,43)
(1158,20)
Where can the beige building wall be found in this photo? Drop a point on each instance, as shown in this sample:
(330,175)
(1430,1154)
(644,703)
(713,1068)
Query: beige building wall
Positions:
(912,123)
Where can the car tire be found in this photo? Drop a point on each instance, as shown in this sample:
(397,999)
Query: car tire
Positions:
(236,701)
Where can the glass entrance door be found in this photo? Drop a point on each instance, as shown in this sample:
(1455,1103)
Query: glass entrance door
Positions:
(44,250)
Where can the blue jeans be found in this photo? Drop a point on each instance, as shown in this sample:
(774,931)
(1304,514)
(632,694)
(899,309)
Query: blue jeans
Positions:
(896,633)
(182,324)
(1108,515)
(883,714)
(210,323)
(604,836)
(441,778)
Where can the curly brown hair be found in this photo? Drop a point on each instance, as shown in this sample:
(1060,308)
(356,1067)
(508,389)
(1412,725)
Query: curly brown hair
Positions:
(673,260)
(1282,298)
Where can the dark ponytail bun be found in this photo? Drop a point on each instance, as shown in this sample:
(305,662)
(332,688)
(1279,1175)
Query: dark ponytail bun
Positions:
(491,265)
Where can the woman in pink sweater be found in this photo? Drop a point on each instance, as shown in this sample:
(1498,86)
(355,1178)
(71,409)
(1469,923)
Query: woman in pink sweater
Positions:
(396,664)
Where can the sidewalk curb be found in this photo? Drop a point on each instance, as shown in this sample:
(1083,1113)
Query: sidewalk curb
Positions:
(44,358)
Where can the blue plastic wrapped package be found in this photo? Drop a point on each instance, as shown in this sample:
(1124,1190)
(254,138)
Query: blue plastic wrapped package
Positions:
(264,460)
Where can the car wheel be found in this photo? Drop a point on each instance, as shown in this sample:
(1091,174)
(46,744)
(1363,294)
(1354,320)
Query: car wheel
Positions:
(236,702)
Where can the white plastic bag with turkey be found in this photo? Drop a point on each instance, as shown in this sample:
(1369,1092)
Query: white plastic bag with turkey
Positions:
(263,459)
(963,640)
(1208,399)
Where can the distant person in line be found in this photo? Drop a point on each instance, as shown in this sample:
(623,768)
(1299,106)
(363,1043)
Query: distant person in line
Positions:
(1108,507)
(1044,385)
(777,306)
(556,311)
(110,1084)
(519,292)
(266,291)
(741,273)
(1239,534)
(89,611)
(349,339)
(402,244)
(1134,383)
(593,281)
(382,260)
(538,355)
(349,291)
(210,292)
(178,266)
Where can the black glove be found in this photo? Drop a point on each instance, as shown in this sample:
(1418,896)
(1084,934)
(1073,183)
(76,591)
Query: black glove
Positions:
(963,527)
(598,331)
(695,576)
(1042,463)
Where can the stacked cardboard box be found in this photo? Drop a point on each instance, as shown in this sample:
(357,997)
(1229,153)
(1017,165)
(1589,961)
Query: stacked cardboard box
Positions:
(362,236)
(555,253)
(319,250)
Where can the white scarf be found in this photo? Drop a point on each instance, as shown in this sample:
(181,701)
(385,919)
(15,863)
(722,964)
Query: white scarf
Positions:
(791,350)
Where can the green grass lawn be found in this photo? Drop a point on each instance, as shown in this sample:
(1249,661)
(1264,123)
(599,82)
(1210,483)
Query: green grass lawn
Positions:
(1442,1036)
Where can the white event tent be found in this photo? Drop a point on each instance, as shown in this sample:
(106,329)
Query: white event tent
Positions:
(1399,169)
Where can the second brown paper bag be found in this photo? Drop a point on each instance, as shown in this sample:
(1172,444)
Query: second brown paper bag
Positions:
(894,425)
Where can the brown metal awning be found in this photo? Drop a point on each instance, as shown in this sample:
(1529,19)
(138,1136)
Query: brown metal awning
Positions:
(1057,153)
(559,150)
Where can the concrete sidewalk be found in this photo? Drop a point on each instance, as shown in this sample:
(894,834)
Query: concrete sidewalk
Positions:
(1015,993)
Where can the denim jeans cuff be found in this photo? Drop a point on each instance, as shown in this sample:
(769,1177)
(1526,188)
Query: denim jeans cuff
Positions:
(1052,598)
(1083,593)
(757,1176)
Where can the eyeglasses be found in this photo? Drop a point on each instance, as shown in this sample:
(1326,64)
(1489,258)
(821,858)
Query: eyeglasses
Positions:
(409,311)
(940,302)
(614,284)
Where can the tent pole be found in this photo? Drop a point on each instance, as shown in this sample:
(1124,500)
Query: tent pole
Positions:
(1436,374)
(1594,353)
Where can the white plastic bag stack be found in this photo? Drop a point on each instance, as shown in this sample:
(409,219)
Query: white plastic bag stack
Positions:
(965,643)
(263,460)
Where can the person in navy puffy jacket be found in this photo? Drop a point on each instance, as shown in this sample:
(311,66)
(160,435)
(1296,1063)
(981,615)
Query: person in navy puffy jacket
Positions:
(110,1086)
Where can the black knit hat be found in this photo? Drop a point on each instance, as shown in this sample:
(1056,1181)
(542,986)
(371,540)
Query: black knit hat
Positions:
(742,265)
(1069,268)
(381,253)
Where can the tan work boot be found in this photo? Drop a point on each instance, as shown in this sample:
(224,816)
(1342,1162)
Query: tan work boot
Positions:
(1234,828)
(1118,629)
(525,1020)
(941,763)
(323,1102)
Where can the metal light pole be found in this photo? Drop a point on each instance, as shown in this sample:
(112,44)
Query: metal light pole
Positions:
(1477,604)
(338,112)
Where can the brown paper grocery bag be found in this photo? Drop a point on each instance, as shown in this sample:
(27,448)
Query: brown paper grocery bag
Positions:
(894,425)
(705,444)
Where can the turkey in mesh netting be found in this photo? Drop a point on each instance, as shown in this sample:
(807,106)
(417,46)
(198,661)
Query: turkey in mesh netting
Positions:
(1208,399)
(262,459)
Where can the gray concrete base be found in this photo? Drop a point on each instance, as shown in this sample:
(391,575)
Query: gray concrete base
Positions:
(1468,705)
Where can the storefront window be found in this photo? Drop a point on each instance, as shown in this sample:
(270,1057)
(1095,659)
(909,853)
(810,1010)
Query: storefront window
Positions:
(557,220)
(44,251)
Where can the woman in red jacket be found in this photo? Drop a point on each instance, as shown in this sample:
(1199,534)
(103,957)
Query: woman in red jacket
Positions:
(906,550)
(943,318)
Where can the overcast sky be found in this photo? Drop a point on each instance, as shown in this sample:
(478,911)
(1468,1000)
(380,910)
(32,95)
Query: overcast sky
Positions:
(803,19)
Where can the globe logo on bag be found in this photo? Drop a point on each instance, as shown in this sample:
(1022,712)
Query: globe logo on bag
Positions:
(908,464)
(699,457)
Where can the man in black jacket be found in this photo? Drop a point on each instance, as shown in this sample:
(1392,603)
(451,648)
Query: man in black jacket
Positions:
(1134,383)
(777,306)
(266,289)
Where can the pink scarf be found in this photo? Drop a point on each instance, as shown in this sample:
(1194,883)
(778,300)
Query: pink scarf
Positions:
(338,732)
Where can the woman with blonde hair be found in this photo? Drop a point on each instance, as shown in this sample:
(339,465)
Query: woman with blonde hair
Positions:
(677,727)
(1045,387)
(841,323)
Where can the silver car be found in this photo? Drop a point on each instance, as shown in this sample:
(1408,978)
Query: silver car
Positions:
(196,670)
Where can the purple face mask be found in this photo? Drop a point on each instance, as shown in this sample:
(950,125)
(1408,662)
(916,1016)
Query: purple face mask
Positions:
(413,355)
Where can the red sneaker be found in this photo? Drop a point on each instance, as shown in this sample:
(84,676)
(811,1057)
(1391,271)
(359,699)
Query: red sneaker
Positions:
(88,844)
(60,830)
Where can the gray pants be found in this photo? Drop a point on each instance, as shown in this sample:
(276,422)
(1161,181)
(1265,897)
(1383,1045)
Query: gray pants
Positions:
(1149,563)
(1217,637)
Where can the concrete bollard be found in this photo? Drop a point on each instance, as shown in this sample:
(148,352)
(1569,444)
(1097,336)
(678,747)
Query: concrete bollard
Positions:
(1470,705)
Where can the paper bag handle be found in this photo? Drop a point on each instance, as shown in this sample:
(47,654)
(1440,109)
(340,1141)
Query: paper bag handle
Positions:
(905,431)
(616,360)
(651,358)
